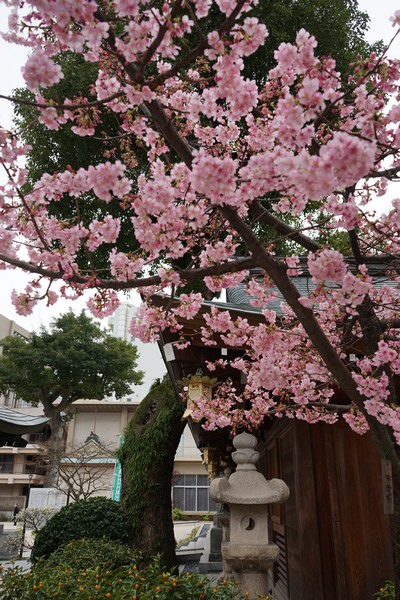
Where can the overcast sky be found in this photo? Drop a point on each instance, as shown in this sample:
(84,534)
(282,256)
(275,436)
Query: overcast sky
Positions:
(12,59)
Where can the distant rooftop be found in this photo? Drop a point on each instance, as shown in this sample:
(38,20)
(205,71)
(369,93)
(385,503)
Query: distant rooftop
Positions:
(237,299)
(14,422)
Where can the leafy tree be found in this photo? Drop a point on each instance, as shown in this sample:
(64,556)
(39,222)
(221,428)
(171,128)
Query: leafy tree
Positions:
(339,28)
(216,146)
(73,359)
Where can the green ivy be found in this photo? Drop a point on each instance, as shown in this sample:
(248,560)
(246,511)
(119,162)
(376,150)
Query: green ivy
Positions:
(147,458)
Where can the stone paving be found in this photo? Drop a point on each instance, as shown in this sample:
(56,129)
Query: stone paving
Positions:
(24,562)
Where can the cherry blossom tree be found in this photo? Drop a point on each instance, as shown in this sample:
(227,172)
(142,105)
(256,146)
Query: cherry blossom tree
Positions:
(227,160)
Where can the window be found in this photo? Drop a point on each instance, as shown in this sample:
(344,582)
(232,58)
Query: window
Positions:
(191,493)
(39,438)
(35,465)
(20,335)
(6,463)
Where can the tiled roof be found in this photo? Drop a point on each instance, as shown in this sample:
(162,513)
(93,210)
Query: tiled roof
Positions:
(237,299)
(15,422)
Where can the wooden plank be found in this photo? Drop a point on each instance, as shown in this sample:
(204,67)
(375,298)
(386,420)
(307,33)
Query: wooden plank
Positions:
(336,495)
(309,547)
(327,512)
(365,529)
(387,487)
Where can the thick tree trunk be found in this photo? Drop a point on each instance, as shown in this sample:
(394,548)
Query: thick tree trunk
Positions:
(147,461)
(53,447)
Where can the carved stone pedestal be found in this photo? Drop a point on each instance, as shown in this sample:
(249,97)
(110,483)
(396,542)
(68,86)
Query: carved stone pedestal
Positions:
(247,554)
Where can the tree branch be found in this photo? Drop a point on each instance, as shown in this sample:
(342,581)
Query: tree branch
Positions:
(62,106)
(193,54)
(263,215)
(277,271)
(233,266)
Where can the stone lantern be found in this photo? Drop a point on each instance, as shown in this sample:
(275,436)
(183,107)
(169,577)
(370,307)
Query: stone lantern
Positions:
(247,554)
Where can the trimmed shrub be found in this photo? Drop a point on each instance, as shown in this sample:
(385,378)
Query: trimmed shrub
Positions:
(47,581)
(89,553)
(92,518)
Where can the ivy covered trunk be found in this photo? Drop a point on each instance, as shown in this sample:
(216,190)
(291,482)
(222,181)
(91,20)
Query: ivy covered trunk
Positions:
(147,461)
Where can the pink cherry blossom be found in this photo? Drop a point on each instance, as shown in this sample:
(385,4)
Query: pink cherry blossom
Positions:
(327,265)
(40,71)
(234,170)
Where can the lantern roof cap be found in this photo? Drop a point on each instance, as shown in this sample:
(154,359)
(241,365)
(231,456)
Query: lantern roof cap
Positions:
(246,485)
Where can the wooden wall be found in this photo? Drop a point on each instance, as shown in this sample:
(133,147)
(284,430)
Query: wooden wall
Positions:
(333,535)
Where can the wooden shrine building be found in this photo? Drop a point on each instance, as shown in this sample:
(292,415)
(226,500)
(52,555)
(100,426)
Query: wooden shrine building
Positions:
(334,531)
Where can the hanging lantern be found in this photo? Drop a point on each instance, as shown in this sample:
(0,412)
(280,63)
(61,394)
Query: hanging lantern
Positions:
(199,386)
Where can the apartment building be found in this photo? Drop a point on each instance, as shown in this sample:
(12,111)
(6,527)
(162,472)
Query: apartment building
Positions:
(19,461)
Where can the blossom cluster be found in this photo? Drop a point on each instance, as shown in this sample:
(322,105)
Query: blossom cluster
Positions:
(314,147)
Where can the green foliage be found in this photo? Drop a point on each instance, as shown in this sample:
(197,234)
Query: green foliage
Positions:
(52,147)
(74,579)
(92,518)
(87,553)
(74,359)
(339,28)
(53,151)
(387,592)
(177,514)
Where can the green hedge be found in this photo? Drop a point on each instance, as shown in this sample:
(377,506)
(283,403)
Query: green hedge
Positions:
(92,518)
(87,553)
(74,579)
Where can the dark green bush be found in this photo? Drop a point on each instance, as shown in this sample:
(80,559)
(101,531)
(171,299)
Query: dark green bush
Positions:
(91,518)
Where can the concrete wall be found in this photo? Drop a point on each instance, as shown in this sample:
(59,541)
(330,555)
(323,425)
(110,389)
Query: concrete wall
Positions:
(106,425)
(187,449)
(9,327)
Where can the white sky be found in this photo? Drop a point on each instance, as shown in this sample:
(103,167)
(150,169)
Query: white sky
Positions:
(12,59)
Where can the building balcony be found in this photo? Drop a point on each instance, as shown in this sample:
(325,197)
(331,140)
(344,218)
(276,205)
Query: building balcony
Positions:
(21,478)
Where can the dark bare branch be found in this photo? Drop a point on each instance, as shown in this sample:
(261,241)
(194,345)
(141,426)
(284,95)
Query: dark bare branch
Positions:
(265,216)
(233,266)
